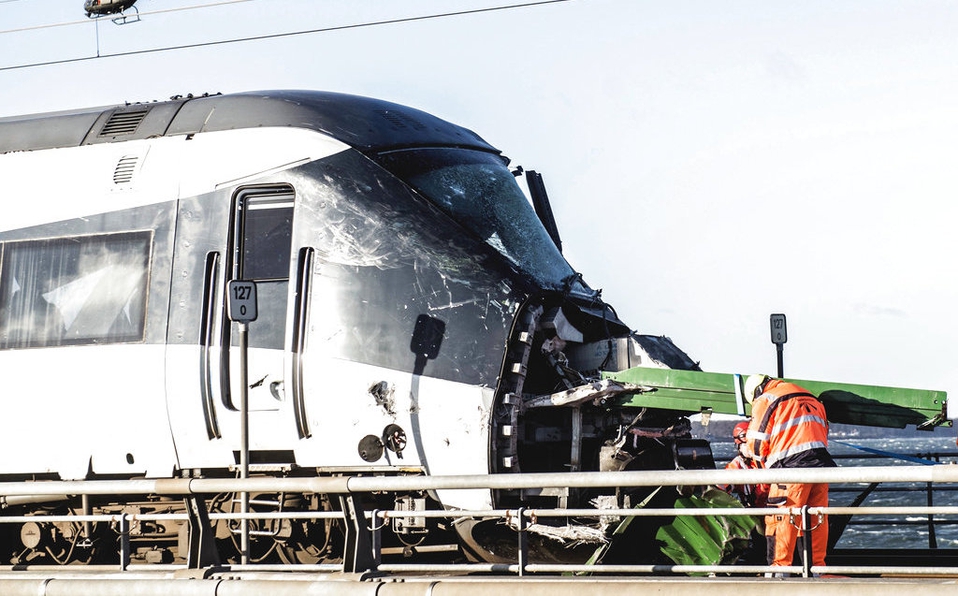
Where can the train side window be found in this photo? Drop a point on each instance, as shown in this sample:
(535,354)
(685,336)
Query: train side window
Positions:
(265,234)
(267,238)
(76,290)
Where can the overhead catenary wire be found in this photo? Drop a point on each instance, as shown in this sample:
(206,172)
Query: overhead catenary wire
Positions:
(267,36)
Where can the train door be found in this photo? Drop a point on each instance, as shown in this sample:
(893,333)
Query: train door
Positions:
(242,235)
(261,242)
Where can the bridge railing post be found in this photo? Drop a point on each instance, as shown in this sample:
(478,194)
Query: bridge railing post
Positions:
(806,542)
(124,541)
(523,541)
(358,554)
(377,535)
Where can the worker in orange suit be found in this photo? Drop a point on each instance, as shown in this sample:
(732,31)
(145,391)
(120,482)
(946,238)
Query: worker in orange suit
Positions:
(789,429)
(751,495)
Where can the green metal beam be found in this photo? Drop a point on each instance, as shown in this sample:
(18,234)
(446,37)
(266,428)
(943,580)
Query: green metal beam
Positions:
(866,405)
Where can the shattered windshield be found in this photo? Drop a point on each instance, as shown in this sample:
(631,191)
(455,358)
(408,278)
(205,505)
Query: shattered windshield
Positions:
(479,192)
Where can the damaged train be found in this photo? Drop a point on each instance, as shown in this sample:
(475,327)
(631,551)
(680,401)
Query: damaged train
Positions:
(415,316)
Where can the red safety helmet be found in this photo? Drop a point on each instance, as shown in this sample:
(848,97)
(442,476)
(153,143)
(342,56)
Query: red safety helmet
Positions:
(738,433)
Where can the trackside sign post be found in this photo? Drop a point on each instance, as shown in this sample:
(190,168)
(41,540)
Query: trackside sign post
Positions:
(241,308)
(779,337)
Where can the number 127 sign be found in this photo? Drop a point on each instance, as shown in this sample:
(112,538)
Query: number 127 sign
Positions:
(242,301)
(779,331)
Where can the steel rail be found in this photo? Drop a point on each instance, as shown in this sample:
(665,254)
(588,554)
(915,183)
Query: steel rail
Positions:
(388,514)
(360,484)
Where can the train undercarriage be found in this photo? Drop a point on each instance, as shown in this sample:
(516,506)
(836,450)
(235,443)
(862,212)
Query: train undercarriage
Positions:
(60,532)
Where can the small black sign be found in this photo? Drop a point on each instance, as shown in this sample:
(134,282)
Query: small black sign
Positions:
(779,331)
(242,301)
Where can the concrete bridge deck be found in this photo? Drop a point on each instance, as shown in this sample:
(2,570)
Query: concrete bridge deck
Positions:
(227,583)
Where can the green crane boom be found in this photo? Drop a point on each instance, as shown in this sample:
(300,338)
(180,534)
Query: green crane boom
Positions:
(865,405)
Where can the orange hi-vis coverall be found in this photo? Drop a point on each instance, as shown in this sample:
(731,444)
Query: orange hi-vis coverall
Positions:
(789,429)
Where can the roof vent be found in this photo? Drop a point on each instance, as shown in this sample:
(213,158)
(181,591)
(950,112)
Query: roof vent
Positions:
(123,123)
(123,174)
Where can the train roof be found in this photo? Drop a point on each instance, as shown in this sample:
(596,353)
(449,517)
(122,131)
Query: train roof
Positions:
(369,125)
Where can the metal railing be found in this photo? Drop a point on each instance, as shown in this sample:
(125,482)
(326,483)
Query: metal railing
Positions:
(372,523)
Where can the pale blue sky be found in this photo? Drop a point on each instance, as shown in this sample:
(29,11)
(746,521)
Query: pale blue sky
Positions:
(709,162)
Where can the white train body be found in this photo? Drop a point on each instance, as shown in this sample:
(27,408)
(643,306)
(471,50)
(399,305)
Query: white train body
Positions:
(393,321)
